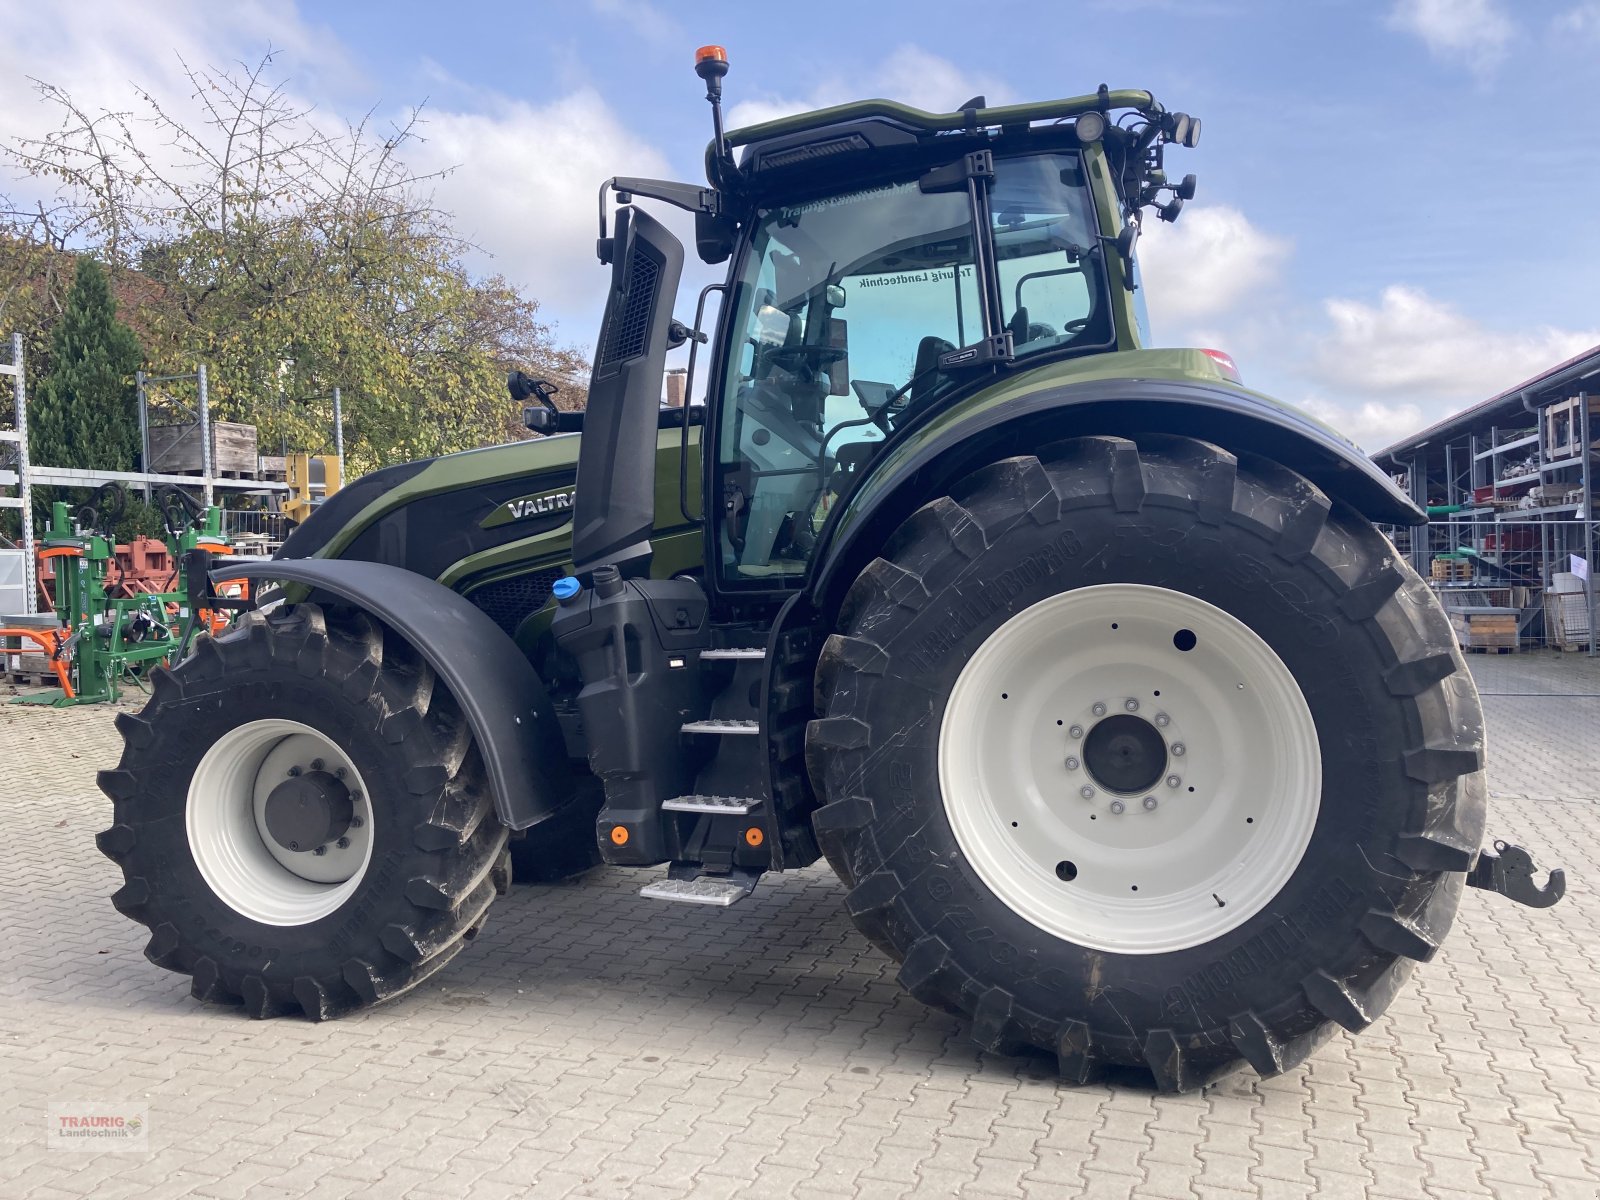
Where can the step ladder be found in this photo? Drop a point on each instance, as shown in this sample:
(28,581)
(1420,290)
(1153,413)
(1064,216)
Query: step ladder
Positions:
(718,890)
(718,725)
(729,806)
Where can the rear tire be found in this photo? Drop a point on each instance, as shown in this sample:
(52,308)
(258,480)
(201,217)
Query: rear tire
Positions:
(944,805)
(251,920)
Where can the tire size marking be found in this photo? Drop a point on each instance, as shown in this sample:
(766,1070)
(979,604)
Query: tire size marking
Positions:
(1274,944)
(986,596)
(375,889)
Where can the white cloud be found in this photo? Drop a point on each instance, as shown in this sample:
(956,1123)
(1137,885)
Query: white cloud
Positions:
(1381,372)
(1411,345)
(1205,264)
(1370,424)
(523,178)
(99,52)
(1473,32)
(910,75)
(645,19)
(524,186)
(1582,19)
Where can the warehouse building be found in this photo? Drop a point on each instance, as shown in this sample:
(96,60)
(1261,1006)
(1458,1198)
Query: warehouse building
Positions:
(1509,485)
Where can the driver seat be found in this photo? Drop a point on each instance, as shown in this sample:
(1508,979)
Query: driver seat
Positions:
(925,378)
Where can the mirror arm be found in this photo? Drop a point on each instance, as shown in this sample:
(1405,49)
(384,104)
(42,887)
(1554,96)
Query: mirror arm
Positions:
(687,196)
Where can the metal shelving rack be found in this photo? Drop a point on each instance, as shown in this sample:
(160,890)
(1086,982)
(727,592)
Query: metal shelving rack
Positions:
(23,475)
(1513,546)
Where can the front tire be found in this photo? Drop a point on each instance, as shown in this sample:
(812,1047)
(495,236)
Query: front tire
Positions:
(301,817)
(1021,677)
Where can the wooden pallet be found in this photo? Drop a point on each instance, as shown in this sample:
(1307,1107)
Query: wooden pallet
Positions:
(1485,631)
(197,474)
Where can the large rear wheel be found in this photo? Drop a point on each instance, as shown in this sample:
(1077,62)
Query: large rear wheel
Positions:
(1147,757)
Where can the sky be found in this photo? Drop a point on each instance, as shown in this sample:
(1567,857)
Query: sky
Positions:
(1396,207)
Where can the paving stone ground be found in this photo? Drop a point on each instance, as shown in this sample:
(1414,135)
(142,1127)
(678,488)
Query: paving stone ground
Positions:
(591,1043)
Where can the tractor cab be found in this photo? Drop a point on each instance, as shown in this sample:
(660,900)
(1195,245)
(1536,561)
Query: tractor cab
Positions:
(857,313)
(883,263)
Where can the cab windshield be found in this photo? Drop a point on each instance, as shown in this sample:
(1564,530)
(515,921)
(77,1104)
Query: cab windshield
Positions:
(839,317)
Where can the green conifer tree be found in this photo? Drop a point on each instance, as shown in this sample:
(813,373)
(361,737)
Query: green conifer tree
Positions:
(84,413)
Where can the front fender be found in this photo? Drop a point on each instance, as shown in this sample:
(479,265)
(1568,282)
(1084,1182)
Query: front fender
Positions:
(952,444)
(502,696)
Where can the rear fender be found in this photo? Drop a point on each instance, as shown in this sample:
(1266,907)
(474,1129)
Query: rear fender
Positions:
(504,700)
(929,461)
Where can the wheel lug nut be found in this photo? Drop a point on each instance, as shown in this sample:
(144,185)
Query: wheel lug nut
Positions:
(1099,709)
(1150,804)
(1173,781)
(355,822)
(293,772)
(343,843)
(316,764)
(1177,749)
(1075,732)
(320,850)
(1072,764)
(1086,792)
(1118,808)
(338,772)
(1163,720)
(1131,705)
(355,797)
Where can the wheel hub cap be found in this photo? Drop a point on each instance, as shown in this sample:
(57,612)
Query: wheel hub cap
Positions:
(307,810)
(1125,753)
(280,822)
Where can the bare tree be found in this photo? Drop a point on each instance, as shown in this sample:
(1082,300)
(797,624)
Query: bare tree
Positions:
(291,257)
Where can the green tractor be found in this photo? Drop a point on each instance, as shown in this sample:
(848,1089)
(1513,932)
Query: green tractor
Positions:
(1088,670)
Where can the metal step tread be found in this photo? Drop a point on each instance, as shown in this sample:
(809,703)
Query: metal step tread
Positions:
(735,652)
(736,806)
(719,725)
(704,890)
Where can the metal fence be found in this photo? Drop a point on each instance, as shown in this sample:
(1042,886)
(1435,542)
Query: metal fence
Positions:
(1485,563)
(253,530)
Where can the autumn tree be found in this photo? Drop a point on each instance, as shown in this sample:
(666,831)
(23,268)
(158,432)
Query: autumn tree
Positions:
(293,260)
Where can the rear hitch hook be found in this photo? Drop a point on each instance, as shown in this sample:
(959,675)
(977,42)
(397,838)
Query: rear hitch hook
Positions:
(1510,872)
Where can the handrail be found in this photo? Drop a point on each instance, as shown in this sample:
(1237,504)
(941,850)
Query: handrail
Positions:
(969,118)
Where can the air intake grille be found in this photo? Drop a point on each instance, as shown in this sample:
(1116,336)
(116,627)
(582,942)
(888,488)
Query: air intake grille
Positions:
(627,336)
(508,601)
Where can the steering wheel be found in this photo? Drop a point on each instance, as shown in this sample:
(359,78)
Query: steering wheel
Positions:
(794,358)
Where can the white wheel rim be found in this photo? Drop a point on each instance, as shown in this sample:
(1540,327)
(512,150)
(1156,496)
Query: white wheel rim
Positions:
(1240,742)
(228,837)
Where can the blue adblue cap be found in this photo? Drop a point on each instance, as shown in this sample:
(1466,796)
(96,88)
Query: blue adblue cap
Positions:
(566,589)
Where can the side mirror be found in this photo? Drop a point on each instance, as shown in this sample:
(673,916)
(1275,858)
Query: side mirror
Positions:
(1124,243)
(539,419)
(714,237)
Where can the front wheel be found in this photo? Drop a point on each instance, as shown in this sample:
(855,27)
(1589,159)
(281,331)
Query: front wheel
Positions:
(1144,756)
(301,817)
